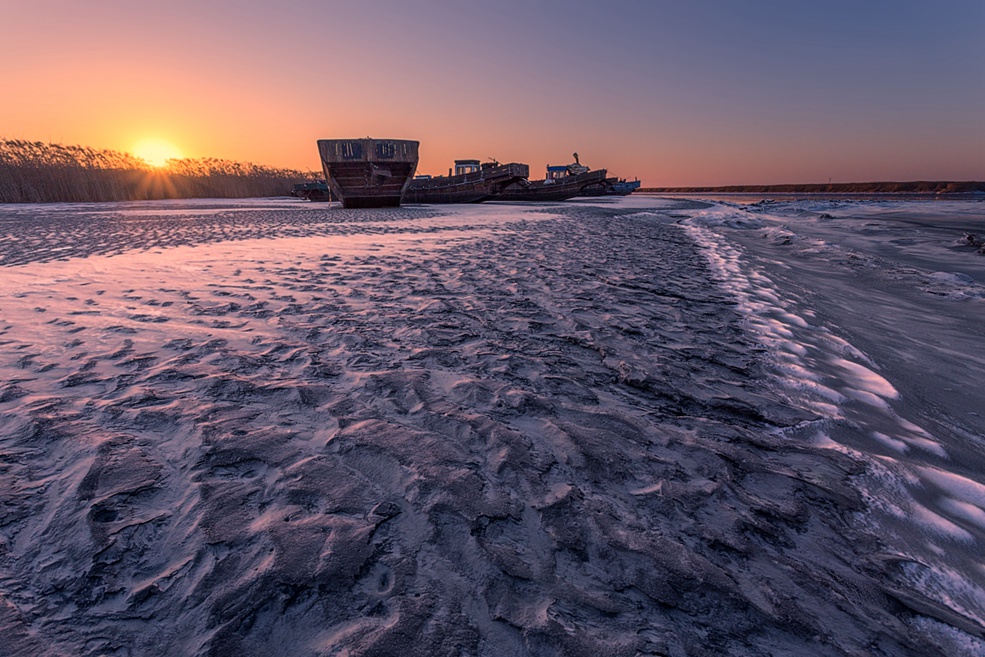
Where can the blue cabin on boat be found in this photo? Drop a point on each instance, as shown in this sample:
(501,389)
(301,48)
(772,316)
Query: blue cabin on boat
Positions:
(563,171)
(557,172)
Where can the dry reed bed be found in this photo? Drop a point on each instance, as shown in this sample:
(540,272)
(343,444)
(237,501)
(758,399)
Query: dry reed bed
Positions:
(37,172)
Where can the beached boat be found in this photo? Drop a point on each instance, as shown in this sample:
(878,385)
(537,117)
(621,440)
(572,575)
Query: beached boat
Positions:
(612,187)
(562,182)
(313,190)
(472,182)
(368,173)
(623,187)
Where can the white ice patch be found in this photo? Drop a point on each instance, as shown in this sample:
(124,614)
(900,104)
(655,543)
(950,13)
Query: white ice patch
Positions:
(917,437)
(950,588)
(786,332)
(953,641)
(964,510)
(819,370)
(847,349)
(862,378)
(955,485)
(952,285)
(940,525)
(925,511)
(721,215)
(951,277)
(892,443)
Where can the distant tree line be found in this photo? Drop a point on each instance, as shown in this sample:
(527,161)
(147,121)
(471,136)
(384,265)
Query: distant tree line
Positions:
(36,172)
(916,187)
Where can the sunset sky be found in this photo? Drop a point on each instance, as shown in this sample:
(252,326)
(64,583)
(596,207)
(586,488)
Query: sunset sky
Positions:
(696,92)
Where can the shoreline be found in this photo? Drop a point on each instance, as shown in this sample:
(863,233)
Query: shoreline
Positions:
(957,196)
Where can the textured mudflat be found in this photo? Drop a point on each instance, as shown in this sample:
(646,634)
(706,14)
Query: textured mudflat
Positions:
(503,431)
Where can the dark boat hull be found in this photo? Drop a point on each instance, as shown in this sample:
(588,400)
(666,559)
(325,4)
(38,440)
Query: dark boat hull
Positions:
(473,187)
(552,190)
(612,187)
(368,173)
(312,191)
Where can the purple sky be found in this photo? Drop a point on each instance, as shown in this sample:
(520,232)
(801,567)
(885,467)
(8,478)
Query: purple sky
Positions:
(675,93)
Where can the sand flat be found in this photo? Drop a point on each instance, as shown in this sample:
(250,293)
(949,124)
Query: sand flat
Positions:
(235,428)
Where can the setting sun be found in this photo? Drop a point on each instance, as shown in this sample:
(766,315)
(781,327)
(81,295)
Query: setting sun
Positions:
(156,152)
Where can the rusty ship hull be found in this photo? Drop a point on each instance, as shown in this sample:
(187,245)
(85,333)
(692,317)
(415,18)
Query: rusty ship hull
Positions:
(552,190)
(473,187)
(368,173)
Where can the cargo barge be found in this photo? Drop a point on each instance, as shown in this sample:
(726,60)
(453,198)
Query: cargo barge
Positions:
(368,173)
(472,182)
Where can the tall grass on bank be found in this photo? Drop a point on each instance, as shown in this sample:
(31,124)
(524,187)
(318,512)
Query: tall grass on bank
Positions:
(36,172)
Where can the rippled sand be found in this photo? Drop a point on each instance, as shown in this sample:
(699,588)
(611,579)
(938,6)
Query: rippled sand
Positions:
(268,428)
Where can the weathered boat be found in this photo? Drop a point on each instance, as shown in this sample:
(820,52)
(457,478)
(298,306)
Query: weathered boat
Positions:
(623,187)
(562,182)
(612,187)
(368,173)
(472,182)
(313,190)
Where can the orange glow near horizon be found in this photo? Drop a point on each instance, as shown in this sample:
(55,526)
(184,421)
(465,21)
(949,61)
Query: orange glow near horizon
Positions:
(675,95)
(156,152)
